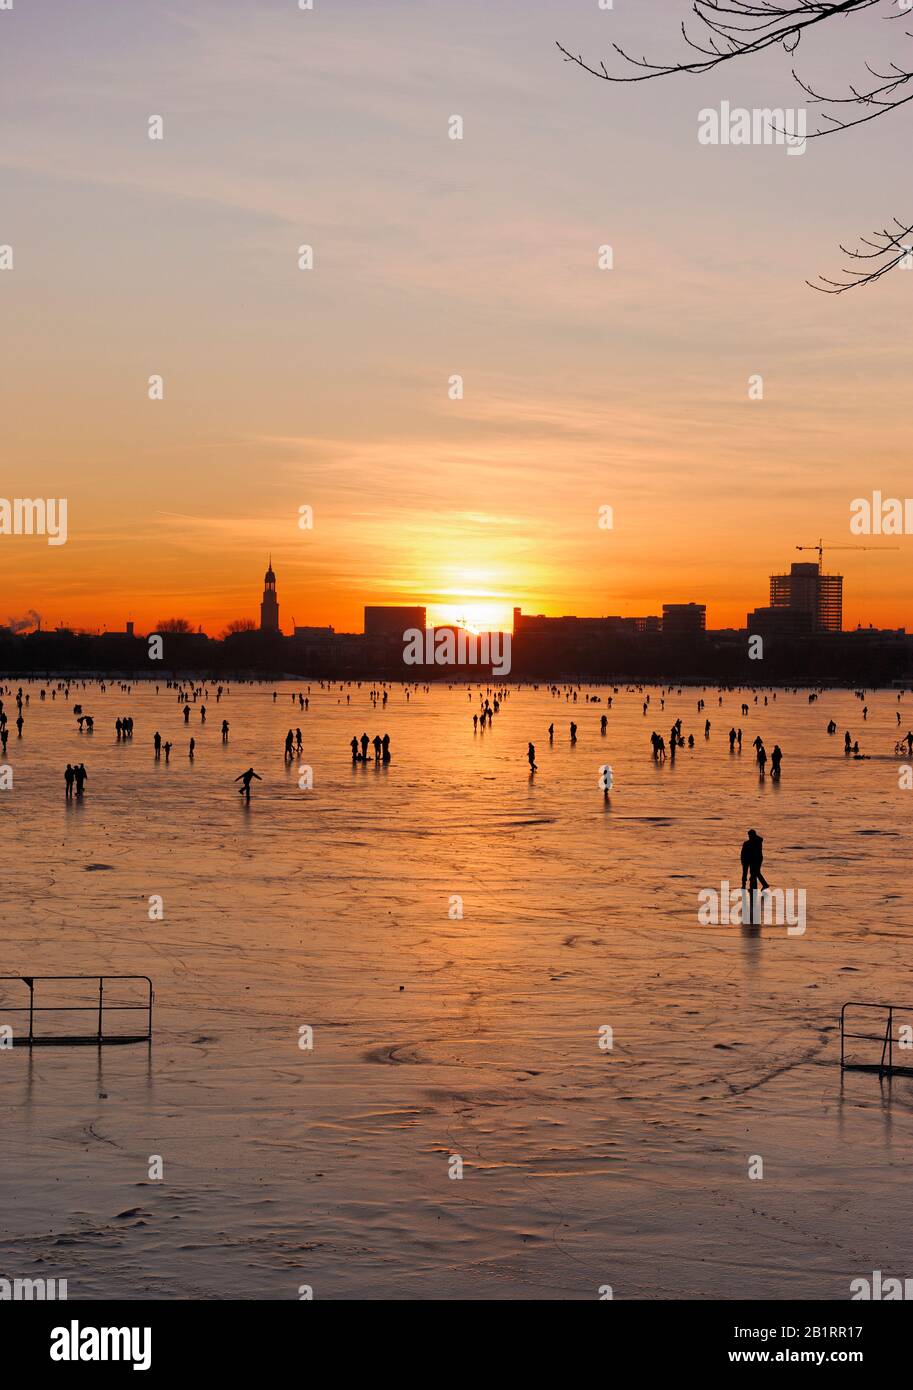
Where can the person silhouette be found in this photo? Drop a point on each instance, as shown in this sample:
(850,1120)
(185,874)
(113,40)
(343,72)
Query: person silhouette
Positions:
(531,755)
(193,744)
(157,743)
(752,858)
(224,730)
(69,777)
(354,747)
(377,747)
(364,747)
(776,758)
(80,775)
(385,748)
(245,779)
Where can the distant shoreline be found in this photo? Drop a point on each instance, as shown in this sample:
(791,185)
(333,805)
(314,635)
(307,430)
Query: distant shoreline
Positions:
(470,676)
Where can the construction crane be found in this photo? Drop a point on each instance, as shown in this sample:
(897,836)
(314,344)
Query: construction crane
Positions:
(820,547)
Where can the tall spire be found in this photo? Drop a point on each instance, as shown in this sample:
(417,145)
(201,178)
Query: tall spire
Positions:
(269,608)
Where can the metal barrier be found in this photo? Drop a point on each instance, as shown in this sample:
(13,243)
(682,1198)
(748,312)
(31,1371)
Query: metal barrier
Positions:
(98,1008)
(885,1066)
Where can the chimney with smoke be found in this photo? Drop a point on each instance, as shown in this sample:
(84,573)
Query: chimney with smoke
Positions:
(32,619)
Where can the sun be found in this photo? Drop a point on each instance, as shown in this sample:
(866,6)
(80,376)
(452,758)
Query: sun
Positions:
(473,614)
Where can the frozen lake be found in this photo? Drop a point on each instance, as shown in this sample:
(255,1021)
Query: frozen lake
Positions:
(438,1038)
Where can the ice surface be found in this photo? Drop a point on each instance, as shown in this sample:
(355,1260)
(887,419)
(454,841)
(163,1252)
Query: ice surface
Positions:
(436,1037)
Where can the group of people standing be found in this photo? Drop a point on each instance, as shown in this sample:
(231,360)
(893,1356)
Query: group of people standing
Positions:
(4,731)
(75,775)
(676,740)
(488,713)
(776,757)
(381,748)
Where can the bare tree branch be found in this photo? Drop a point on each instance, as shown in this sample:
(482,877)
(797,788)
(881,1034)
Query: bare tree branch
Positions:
(751,28)
(888,249)
(740,28)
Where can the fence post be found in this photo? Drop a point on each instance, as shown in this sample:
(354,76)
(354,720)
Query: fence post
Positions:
(31,985)
(101,980)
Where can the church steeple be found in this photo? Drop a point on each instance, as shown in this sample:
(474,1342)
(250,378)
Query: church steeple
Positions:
(269,608)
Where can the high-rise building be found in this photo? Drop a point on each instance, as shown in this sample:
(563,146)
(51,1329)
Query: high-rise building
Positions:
(529,624)
(269,608)
(684,619)
(779,622)
(810,591)
(389,623)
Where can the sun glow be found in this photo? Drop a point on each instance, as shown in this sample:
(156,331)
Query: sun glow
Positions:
(474,615)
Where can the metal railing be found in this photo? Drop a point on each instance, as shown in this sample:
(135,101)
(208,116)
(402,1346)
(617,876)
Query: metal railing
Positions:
(885,1066)
(98,1008)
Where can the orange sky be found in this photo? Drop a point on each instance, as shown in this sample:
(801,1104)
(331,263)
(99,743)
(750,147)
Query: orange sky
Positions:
(329,388)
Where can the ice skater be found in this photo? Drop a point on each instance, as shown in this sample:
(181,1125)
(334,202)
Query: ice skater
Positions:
(245,779)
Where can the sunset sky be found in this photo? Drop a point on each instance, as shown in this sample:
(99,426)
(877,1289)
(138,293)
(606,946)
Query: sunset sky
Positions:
(433,257)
